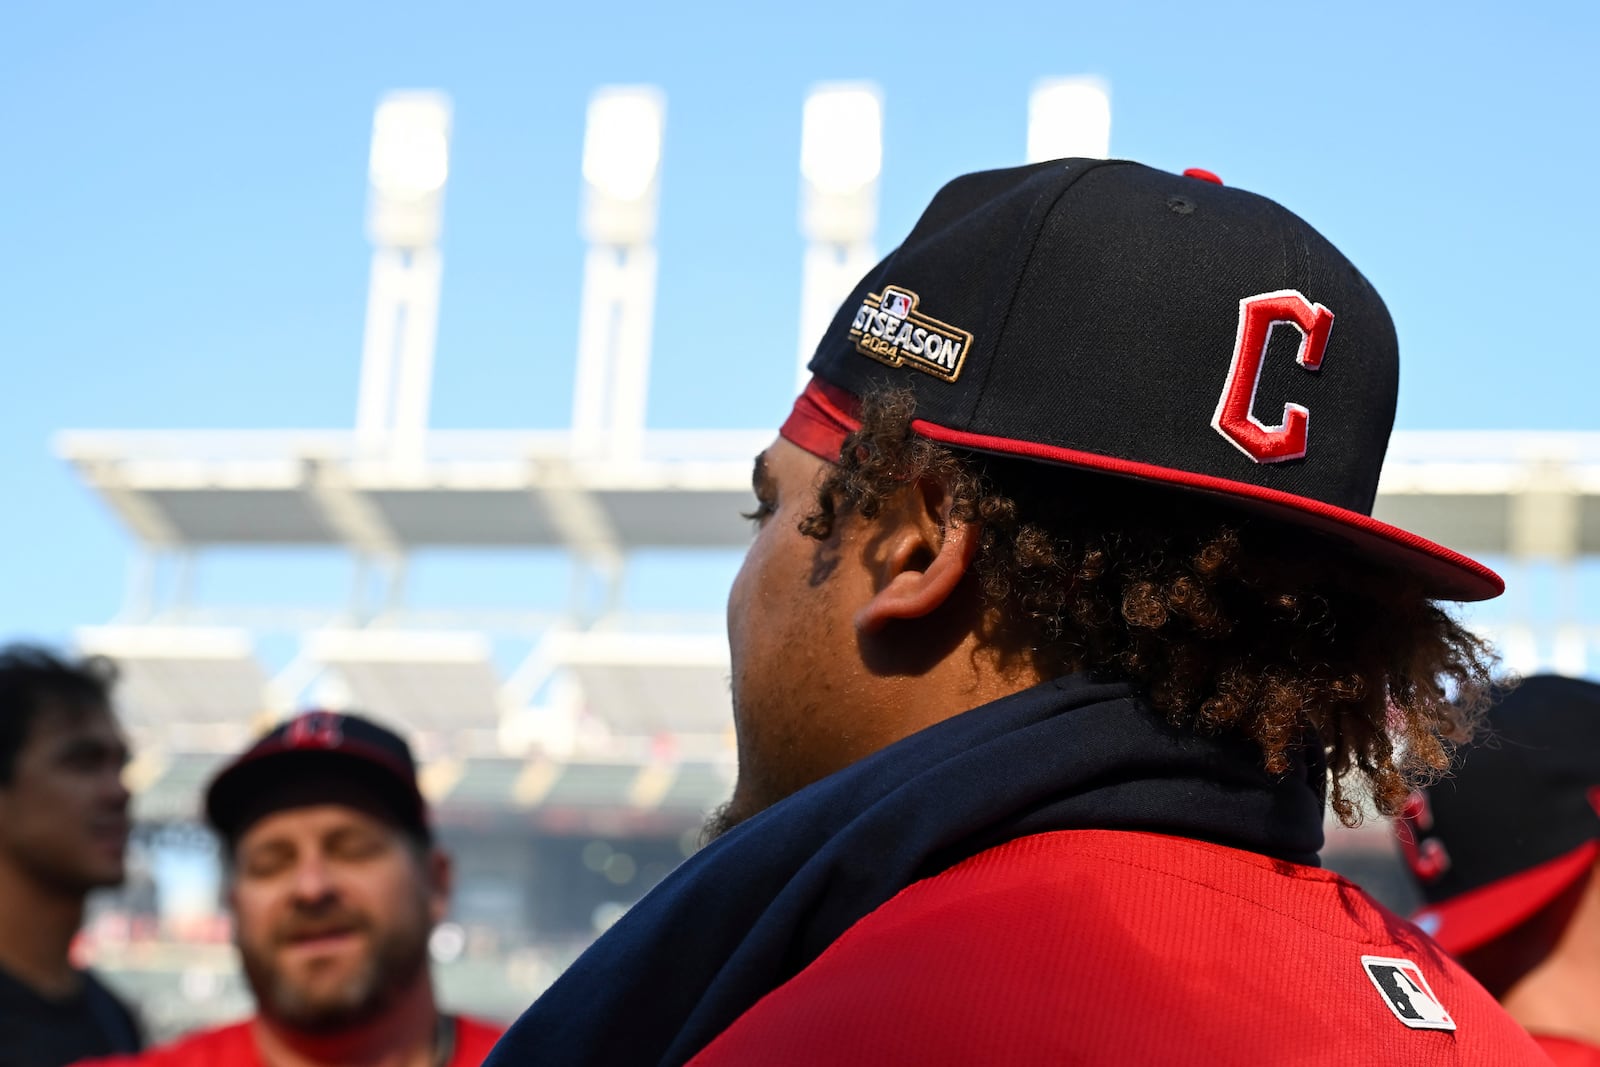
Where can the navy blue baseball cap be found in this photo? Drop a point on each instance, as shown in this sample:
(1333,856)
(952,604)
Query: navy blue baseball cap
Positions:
(319,757)
(1518,823)
(1107,316)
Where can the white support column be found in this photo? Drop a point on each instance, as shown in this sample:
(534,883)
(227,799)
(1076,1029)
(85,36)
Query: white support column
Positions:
(419,331)
(409,166)
(841,157)
(374,403)
(615,322)
(635,320)
(597,317)
(398,570)
(139,596)
(621,170)
(183,581)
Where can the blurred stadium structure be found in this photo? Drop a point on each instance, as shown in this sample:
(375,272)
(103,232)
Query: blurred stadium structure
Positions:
(571,783)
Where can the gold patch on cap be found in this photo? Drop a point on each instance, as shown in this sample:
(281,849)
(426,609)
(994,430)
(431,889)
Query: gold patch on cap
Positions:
(889,328)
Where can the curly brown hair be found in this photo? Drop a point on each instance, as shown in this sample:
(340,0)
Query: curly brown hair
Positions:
(1226,621)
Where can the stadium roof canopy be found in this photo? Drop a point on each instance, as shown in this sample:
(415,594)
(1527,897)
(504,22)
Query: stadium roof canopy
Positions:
(189,490)
(207,680)
(1526,495)
(649,684)
(1508,493)
(565,796)
(435,681)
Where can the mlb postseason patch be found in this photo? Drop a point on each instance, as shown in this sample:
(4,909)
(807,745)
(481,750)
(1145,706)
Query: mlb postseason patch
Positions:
(1407,993)
(889,328)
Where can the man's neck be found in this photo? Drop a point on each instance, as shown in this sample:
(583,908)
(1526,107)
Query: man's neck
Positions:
(405,1035)
(1558,996)
(37,924)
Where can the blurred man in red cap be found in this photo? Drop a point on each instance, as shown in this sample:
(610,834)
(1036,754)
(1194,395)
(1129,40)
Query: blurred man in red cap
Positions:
(1504,853)
(335,886)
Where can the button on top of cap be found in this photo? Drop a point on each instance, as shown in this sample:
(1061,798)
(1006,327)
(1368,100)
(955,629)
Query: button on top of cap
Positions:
(1203,175)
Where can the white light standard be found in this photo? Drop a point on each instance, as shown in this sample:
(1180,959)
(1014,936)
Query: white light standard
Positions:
(1069,117)
(841,156)
(409,165)
(621,180)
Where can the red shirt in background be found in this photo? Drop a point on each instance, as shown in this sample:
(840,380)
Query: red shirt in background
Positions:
(234,1046)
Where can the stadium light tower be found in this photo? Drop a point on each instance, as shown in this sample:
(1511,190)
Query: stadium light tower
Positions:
(1069,117)
(409,164)
(841,157)
(621,180)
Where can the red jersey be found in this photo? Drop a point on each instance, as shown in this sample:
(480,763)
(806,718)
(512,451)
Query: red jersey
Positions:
(235,1046)
(1107,947)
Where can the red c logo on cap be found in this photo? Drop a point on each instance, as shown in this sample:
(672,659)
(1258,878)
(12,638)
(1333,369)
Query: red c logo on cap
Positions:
(1235,418)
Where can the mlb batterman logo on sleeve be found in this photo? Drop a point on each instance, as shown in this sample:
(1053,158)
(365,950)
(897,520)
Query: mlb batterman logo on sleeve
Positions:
(1249,359)
(1407,993)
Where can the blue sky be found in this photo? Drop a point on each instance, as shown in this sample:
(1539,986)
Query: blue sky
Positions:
(182,192)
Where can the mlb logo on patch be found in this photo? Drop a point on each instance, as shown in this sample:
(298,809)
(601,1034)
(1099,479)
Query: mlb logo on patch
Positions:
(896,303)
(1407,993)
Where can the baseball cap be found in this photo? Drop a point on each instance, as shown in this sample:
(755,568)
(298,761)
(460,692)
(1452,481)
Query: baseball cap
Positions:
(1104,315)
(1519,821)
(314,757)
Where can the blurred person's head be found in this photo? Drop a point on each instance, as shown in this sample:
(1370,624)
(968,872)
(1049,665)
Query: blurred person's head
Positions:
(63,805)
(1504,851)
(334,881)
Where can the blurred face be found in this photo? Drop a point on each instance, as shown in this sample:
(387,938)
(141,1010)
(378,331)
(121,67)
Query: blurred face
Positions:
(797,672)
(64,815)
(333,908)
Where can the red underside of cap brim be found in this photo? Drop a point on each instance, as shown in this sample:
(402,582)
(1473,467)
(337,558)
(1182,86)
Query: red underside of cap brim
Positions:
(824,414)
(1475,918)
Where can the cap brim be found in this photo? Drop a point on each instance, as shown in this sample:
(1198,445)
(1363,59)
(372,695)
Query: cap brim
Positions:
(1477,917)
(1445,573)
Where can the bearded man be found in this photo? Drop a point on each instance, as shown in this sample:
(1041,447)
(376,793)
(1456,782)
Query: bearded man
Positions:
(335,885)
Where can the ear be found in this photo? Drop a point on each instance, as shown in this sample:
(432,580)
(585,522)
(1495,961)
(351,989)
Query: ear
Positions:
(441,878)
(924,559)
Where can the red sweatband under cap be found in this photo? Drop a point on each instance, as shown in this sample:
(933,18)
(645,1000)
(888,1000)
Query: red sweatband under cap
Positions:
(822,417)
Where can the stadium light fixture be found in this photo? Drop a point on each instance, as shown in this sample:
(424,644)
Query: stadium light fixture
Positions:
(409,164)
(841,157)
(622,164)
(410,153)
(1069,117)
(841,139)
